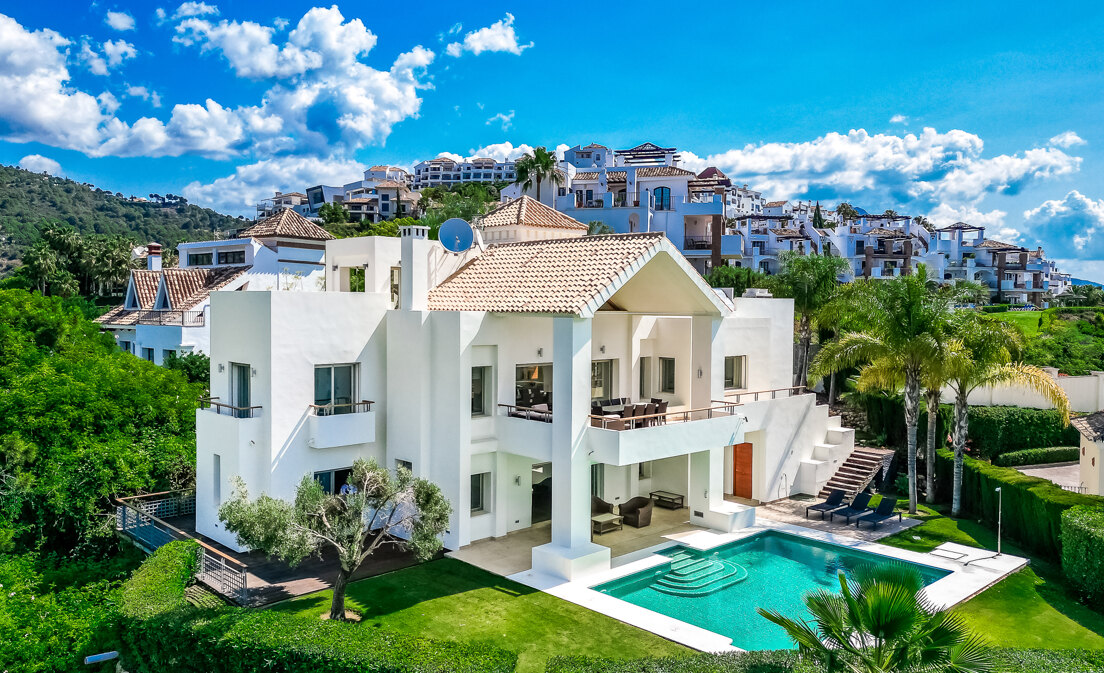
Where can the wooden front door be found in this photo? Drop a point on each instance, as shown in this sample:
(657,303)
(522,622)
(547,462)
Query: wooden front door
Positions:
(741,470)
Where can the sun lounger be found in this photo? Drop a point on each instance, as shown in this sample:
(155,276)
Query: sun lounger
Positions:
(884,511)
(834,501)
(858,506)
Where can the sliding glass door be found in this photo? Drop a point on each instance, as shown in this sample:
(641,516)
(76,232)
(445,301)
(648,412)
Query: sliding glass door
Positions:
(335,389)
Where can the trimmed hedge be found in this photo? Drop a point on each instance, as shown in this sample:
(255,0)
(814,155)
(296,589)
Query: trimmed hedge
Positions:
(1083,551)
(786,661)
(161,631)
(1032,506)
(1051,454)
(993,430)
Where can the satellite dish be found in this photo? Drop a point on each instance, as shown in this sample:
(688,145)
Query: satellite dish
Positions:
(456,235)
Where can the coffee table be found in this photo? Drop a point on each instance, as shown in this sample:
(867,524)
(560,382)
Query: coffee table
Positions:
(668,500)
(604,523)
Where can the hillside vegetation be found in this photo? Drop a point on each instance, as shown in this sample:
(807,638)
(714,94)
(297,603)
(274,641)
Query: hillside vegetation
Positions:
(30,202)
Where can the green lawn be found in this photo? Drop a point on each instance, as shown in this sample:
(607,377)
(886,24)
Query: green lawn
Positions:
(454,600)
(1027,320)
(1029,609)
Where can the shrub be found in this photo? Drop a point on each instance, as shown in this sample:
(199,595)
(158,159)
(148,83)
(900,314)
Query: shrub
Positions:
(1083,551)
(1032,507)
(1050,454)
(780,661)
(995,308)
(163,632)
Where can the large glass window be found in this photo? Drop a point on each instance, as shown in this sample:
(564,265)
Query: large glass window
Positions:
(240,396)
(481,380)
(334,389)
(735,372)
(147,354)
(666,375)
(663,198)
(533,385)
(601,379)
(232,257)
(480,484)
(200,259)
(332,480)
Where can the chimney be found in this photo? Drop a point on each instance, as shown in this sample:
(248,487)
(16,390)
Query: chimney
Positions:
(414,274)
(153,256)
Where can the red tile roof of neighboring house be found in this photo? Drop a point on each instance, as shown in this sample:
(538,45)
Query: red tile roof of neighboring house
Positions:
(1091,426)
(774,204)
(286,224)
(529,212)
(187,288)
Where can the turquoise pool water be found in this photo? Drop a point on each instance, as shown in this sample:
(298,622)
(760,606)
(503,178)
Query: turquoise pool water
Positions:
(720,589)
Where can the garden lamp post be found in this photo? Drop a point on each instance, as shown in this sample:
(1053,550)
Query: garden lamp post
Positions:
(1000,504)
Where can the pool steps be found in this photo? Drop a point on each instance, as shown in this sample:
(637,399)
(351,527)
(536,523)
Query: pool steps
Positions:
(695,576)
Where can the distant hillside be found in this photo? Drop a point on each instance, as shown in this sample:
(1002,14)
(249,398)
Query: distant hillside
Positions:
(1082,281)
(28,201)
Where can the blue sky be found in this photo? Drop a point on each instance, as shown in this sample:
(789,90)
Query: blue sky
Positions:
(985,112)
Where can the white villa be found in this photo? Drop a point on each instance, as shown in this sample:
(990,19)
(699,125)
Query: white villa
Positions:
(167,310)
(445,172)
(499,374)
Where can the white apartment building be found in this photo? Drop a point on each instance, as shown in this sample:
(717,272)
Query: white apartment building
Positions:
(296,201)
(480,371)
(167,310)
(445,172)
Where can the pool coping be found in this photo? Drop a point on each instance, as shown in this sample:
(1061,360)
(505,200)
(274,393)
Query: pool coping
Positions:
(972,571)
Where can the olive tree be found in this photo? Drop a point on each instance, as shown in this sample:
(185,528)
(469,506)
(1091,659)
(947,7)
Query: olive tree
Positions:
(373,509)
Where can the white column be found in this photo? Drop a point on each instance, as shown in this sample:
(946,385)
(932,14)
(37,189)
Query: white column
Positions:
(706,356)
(571,554)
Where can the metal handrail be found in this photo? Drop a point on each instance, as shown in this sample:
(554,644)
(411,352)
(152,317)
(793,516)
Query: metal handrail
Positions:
(171,317)
(228,409)
(790,392)
(651,420)
(328,409)
(528,413)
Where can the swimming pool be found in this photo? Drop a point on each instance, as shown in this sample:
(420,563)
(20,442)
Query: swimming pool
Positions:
(720,588)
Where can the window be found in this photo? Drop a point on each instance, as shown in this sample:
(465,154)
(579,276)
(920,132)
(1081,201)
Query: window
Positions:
(239,388)
(124,346)
(396,282)
(735,372)
(404,464)
(216,478)
(232,257)
(335,389)
(481,380)
(666,375)
(147,354)
(166,354)
(645,378)
(860,248)
(333,480)
(356,279)
(385,197)
(533,385)
(199,259)
(597,479)
(479,485)
(644,470)
(663,198)
(601,379)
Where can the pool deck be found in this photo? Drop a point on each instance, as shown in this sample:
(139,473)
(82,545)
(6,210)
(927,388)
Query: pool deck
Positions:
(971,570)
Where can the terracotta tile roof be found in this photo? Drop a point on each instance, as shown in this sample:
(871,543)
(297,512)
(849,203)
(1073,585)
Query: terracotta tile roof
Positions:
(960,225)
(588,175)
(187,289)
(386,168)
(647,147)
(787,233)
(145,286)
(559,276)
(529,212)
(1091,426)
(616,176)
(996,245)
(886,233)
(712,172)
(774,204)
(390,184)
(595,146)
(288,224)
(663,172)
(283,194)
(442,160)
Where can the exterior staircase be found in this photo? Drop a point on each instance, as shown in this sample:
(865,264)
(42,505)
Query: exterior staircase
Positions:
(856,473)
(692,575)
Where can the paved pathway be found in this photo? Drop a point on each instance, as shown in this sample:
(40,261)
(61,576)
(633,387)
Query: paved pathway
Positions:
(1063,474)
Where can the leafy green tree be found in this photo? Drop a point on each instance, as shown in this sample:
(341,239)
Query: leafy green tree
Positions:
(196,367)
(333,213)
(537,168)
(881,622)
(812,281)
(376,509)
(846,212)
(737,278)
(906,324)
(599,228)
(982,353)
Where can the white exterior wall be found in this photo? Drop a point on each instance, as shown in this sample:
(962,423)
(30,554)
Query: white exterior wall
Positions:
(1092,472)
(1085,393)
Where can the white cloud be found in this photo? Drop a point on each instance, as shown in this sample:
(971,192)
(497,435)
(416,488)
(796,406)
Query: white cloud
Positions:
(497,37)
(898,119)
(239,193)
(108,102)
(118,51)
(160,14)
(96,63)
(36,163)
(120,21)
(1066,139)
(1071,227)
(145,94)
(187,9)
(506,119)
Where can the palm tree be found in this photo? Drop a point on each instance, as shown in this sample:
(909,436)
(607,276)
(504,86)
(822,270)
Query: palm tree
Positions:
(906,323)
(881,622)
(536,168)
(812,281)
(982,354)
